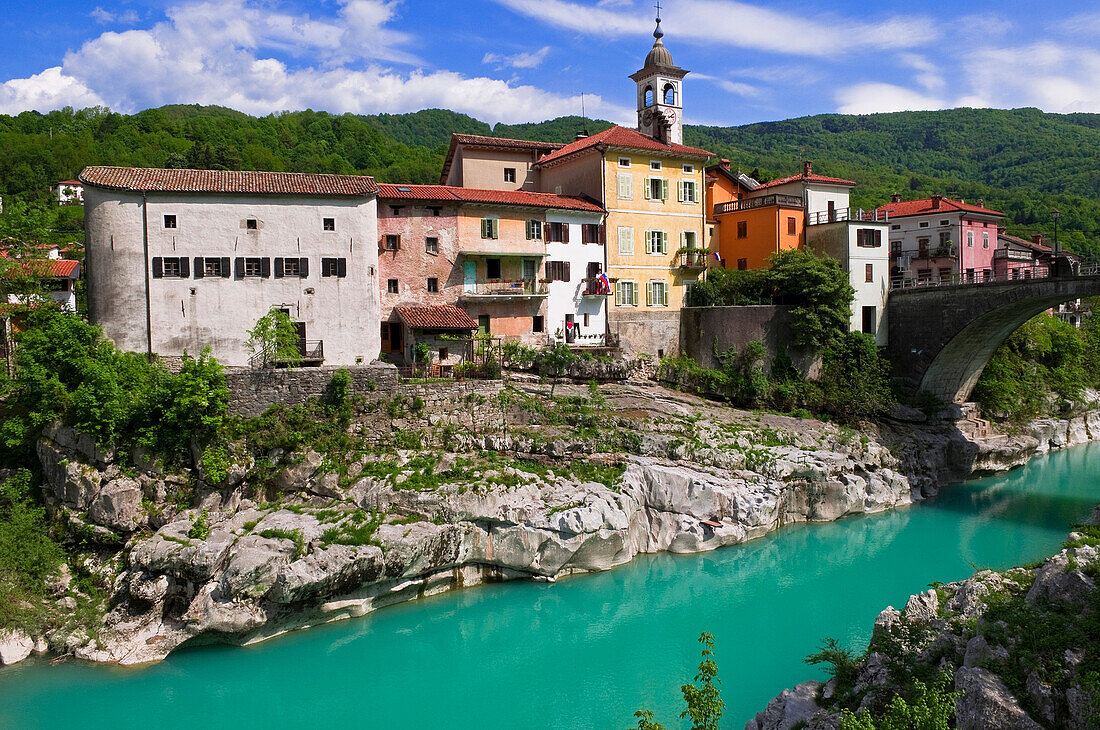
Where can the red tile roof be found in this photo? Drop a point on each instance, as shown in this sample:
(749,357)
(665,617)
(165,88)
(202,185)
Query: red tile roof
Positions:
(438,317)
(1016,240)
(44,268)
(500,143)
(627,138)
(69,182)
(227,181)
(923,207)
(457,195)
(811,178)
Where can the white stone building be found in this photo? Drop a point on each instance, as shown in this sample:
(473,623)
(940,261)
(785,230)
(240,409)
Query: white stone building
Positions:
(180,260)
(69,192)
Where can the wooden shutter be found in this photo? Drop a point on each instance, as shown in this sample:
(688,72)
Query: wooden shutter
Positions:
(602,233)
(566,276)
(238,267)
(648,188)
(680,191)
(199,273)
(664,189)
(649,293)
(158,267)
(342,268)
(565,233)
(278,268)
(225,267)
(303,267)
(878,238)
(649,241)
(185,268)
(265,267)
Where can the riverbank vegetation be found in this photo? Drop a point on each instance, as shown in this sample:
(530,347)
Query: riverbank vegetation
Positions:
(1043,368)
(703,700)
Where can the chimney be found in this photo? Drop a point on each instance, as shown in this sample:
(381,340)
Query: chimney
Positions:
(725,163)
(981,202)
(807,168)
(895,198)
(1037,239)
(936,199)
(581,135)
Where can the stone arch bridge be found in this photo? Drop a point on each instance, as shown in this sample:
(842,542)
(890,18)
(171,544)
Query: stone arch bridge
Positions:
(941,337)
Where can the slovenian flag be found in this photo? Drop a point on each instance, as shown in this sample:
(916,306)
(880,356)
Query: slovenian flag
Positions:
(606,283)
(717,257)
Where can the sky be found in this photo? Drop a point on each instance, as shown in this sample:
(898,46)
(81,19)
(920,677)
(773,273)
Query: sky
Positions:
(530,60)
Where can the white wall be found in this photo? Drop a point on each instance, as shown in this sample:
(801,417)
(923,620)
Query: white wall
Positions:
(188,314)
(839,240)
(567,297)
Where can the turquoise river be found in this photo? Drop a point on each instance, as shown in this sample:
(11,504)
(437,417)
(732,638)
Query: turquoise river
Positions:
(589,650)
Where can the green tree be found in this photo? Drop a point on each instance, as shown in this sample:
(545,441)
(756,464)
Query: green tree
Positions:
(554,361)
(274,340)
(704,702)
(855,378)
(925,709)
(817,290)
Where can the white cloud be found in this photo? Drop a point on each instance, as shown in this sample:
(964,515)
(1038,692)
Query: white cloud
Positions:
(51,89)
(226,53)
(105,17)
(1051,76)
(739,88)
(928,74)
(739,25)
(519,60)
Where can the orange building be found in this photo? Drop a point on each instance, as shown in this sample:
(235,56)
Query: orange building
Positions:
(746,227)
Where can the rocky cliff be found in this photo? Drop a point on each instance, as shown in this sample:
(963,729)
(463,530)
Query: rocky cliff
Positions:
(437,490)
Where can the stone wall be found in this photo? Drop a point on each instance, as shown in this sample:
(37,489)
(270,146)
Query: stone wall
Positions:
(736,327)
(251,392)
(654,333)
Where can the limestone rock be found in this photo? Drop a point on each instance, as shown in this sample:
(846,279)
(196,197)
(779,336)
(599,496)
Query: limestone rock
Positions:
(15,646)
(1058,580)
(118,506)
(985,703)
(791,707)
(253,566)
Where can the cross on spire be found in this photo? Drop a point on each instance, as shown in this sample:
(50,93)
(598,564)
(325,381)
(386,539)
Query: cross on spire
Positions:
(658,11)
(658,33)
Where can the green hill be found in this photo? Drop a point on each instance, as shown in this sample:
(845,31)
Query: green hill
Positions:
(1021,161)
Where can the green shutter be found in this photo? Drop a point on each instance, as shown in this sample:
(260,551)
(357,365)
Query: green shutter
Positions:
(664,189)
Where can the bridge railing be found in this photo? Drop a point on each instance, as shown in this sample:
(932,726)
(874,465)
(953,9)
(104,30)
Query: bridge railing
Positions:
(929,278)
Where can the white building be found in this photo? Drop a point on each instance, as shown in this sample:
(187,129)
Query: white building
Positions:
(576,266)
(69,192)
(180,260)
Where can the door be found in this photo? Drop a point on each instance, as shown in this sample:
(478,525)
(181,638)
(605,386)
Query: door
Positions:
(870,320)
(396,338)
(469,281)
(301,328)
(570,328)
(529,268)
(483,324)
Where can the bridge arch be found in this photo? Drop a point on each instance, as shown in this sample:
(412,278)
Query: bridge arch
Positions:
(941,338)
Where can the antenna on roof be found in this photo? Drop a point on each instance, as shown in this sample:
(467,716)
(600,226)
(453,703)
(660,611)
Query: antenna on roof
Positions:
(582,135)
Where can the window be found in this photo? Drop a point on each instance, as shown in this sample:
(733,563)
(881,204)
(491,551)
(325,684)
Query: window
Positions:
(334,267)
(945,223)
(649,96)
(792,225)
(443,353)
(670,94)
(510,174)
(895,246)
(392,242)
(584,319)
(483,324)
(626,186)
(895,227)
(869,273)
(431,244)
(970,239)
(492,268)
(657,189)
(742,264)
(626,241)
(687,240)
(870,319)
(624,162)
(626,294)
(945,238)
(689,169)
(559,233)
(922,244)
(253,267)
(392,286)
(538,324)
(656,293)
(169,221)
(214,267)
(688,192)
(742,229)
(985,239)
(490,228)
(557,270)
(923,224)
(251,224)
(172,269)
(433,285)
(328,224)
(435,210)
(534,230)
(290,267)
(654,164)
(868,238)
(590,233)
(656,242)
(396,210)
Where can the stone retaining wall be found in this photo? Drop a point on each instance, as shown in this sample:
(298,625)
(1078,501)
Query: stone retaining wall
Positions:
(251,392)
(736,327)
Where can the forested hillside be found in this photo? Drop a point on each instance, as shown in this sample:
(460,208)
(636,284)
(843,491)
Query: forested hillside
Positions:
(1023,161)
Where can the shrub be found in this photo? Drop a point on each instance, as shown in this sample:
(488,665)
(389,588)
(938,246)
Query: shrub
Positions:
(274,339)
(27,555)
(200,528)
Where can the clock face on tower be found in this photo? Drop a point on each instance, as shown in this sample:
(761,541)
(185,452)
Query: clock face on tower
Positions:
(668,116)
(647,117)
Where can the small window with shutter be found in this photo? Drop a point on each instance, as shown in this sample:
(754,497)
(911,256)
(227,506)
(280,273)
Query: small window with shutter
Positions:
(742,229)
(626,241)
(490,228)
(212,267)
(626,186)
(590,233)
(433,285)
(392,242)
(534,230)
(431,244)
(392,286)
(291,267)
(557,270)
(334,267)
(172,268)
(253,267)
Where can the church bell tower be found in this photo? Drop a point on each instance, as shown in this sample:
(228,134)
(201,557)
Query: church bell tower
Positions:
(660,92)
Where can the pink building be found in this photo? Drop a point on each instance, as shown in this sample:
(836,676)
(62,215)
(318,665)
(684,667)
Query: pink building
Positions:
(482,250)
(941,240)
(1019,258)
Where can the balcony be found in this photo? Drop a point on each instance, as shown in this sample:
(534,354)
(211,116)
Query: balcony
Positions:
(1011,254)
(733,206)
(939,252)
(692,258)
(310,353)
(841,215)
(597,287)
(506,289)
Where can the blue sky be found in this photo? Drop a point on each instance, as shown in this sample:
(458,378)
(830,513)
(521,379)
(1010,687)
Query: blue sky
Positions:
(529,60)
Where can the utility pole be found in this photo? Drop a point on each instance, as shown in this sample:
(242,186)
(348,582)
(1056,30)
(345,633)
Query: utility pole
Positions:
(1055,214)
